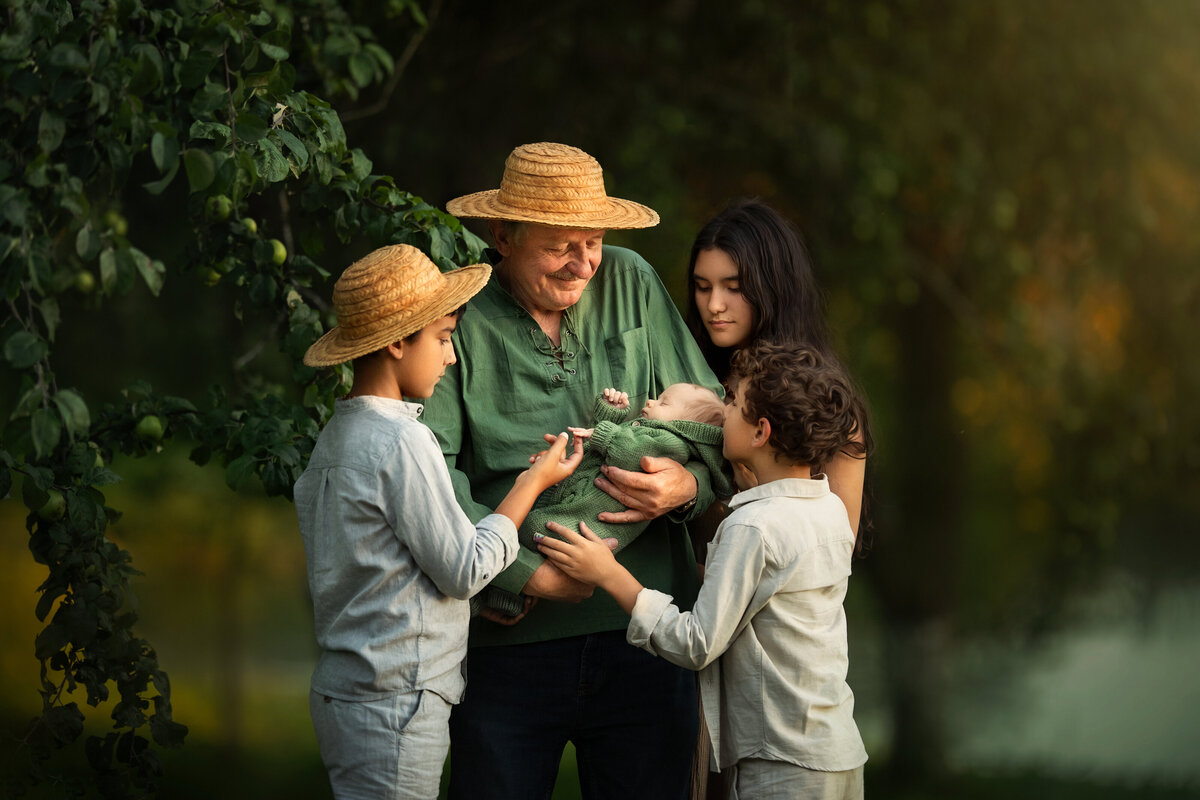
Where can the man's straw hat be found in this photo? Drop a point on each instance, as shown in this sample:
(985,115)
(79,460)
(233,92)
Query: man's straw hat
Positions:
(387,295)
(553,184)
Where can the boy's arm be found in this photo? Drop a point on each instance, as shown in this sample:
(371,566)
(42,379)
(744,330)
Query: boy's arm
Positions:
(728,599)
(458,555)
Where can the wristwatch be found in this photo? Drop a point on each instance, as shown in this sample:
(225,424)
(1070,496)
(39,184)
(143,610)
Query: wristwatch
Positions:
(686,506)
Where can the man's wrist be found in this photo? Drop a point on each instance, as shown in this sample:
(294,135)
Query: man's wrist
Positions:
(683,509)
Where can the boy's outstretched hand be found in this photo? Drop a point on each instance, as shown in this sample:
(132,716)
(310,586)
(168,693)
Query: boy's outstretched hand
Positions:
(588,558)
(550,466)
(584,556)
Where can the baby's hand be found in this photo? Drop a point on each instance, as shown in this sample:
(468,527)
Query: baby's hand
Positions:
(616,399)
(581,433)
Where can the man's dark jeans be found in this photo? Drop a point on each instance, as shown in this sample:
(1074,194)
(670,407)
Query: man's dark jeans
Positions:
(632,717)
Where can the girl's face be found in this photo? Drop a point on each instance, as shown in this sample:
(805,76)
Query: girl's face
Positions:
(727,314)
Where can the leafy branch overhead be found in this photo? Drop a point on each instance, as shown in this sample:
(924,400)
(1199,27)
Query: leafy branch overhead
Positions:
(209,108)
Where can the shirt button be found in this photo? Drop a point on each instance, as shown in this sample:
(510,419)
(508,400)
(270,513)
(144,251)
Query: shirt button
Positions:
(557,378)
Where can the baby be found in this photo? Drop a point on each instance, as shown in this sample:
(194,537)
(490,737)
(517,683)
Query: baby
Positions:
(683,424)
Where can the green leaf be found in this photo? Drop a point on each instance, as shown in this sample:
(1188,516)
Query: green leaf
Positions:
(441,243)
(51,129)
(46,430)
(152,271)
(68,56)
(250,127)
(362,69)
(199,167)
(159,186)
(74,412)
(164,149)
(65,723)
(295,147)
(213,131)
(51,314)
(270,162)
(108,270)
(361,166)
(87,243)
(24,349)
(239,471)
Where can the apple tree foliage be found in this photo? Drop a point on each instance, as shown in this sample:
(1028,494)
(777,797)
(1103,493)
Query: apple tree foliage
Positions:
(209,107)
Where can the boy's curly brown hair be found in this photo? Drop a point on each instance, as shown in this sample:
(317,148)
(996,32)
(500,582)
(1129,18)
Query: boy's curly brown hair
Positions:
(810,402)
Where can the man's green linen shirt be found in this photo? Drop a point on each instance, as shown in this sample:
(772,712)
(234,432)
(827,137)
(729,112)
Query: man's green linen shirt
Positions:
(511,386)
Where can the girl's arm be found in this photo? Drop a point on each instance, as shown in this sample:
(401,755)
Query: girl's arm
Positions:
(846,475)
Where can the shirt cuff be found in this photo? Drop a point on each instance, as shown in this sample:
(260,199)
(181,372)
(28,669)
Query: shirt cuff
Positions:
(648,609)
(515,577)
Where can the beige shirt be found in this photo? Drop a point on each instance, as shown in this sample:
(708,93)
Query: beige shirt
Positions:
(768,631)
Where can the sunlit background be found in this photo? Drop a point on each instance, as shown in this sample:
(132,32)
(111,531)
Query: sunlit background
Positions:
(1003,203)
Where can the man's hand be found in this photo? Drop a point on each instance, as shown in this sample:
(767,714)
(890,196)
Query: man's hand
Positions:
(551,583)
(664,485)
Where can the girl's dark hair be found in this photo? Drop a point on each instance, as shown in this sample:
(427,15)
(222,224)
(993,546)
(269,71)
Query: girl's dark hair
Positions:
(774,274)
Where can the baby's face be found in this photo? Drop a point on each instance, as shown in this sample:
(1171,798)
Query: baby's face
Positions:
(674,403)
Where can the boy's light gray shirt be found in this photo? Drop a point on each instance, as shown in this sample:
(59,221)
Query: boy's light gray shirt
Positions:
(391,556)
(768,631)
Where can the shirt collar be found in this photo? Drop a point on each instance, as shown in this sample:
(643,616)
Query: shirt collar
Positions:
(403,407)
(817,486)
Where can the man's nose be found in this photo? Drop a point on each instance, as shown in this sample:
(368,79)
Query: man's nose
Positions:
(580,265)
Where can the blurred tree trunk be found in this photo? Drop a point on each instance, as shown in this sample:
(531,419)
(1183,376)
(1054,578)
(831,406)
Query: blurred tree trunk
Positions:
(919,527)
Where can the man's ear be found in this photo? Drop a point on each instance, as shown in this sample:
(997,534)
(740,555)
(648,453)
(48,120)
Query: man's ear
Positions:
(500,237)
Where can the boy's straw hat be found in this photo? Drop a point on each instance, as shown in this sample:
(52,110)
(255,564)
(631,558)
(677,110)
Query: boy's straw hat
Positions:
(553,184)
(387,295)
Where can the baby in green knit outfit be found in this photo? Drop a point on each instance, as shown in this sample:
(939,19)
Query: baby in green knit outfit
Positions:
(683,424)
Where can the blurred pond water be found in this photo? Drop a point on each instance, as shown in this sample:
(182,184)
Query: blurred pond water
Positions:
(1114,700)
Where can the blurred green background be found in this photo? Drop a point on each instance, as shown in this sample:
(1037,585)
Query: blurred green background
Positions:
(1003,203)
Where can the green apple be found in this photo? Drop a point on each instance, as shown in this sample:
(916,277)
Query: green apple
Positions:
(150,428)
(85,281)
(218,207)
(210,276)
(250,225)
(114,220)
(279,251)
(54,507)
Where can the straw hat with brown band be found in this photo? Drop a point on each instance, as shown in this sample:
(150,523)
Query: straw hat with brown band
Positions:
(553,184)
(387,295)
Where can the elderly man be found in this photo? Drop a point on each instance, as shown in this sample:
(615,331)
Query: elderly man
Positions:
(562,318)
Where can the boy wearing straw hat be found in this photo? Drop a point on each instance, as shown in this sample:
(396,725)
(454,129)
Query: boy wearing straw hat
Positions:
(563,316)
(391,557)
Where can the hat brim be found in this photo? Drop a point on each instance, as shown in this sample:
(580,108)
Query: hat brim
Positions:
(335,347)
(617,214)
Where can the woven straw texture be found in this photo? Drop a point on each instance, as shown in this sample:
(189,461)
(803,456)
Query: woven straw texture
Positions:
(553,184)
(385,296)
